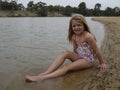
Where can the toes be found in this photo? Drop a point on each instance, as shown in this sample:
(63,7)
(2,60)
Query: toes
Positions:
(29,79)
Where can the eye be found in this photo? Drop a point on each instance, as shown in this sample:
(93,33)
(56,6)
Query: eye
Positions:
(79,25)
(73,25)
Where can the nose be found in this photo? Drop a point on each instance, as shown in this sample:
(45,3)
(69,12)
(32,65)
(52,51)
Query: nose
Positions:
(76,27)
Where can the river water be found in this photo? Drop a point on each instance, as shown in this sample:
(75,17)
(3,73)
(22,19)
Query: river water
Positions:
(29,46)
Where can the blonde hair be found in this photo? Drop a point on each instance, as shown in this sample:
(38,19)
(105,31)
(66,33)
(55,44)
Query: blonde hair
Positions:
(81,19)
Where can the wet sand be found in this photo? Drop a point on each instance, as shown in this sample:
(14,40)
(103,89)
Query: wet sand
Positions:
(88,79)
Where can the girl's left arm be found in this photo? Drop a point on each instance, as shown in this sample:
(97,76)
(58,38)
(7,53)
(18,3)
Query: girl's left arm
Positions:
(93,45)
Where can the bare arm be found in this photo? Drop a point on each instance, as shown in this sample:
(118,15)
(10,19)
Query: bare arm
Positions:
(90,39)
(74,44)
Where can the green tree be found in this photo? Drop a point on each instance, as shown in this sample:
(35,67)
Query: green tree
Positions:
(89,12)
(51,8)
(68,10)
(117,11)
(13,5)
(0,4)
(21,7)
(108,11)
(5,5)
(82,8)
(97,9)
(30,6)
(75,10)
(57,8)
(41,8)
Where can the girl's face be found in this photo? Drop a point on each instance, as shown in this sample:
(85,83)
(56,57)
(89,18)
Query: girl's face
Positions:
(77,27)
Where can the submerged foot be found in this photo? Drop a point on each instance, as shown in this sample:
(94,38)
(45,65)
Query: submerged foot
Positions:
(33,78)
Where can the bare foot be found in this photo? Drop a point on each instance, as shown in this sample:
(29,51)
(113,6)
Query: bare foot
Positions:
(33,78)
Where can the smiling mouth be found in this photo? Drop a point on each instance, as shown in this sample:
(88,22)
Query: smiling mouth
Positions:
(77,30)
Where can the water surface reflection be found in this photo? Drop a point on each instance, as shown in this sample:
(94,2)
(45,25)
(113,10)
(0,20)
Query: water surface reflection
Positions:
(29,46)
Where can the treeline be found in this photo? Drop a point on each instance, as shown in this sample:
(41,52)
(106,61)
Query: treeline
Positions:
(42,9)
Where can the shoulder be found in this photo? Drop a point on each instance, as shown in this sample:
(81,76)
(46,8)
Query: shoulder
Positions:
(89,37)
(73,37)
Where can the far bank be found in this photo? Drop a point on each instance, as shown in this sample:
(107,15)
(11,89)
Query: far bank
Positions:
(14,13)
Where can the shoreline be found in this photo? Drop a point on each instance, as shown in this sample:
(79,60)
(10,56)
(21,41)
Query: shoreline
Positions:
(110,79)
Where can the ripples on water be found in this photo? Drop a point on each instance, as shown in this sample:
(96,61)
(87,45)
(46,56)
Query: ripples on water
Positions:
(27,42)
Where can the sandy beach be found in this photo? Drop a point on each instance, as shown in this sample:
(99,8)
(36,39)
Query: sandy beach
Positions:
(88,79)
(110,79)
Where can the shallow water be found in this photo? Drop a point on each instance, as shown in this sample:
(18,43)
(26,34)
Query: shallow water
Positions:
(29,46)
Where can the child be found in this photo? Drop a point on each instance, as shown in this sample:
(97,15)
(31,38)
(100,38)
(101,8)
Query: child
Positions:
(85,51)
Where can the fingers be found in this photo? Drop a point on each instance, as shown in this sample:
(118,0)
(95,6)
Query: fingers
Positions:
(102,67)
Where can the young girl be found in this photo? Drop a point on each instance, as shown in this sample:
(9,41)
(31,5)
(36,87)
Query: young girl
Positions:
(85,52)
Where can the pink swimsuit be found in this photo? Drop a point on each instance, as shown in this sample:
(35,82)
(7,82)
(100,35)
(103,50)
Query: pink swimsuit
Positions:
(84,51)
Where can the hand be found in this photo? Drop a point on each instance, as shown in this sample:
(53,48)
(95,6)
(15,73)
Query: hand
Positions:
(102,66)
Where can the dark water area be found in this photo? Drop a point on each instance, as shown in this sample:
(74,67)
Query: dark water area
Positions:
(30,45)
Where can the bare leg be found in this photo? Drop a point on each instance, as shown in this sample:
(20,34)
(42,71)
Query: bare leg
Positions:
(60,60)
(79,64)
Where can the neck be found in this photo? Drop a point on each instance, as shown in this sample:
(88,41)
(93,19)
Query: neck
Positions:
(81,34)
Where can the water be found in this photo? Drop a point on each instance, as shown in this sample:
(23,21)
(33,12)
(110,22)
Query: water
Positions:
(33,43)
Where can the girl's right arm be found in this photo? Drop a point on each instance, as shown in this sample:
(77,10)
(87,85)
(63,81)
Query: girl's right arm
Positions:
(74,44)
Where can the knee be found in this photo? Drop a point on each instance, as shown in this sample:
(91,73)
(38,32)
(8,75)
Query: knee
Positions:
(66,68)
(66,53)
